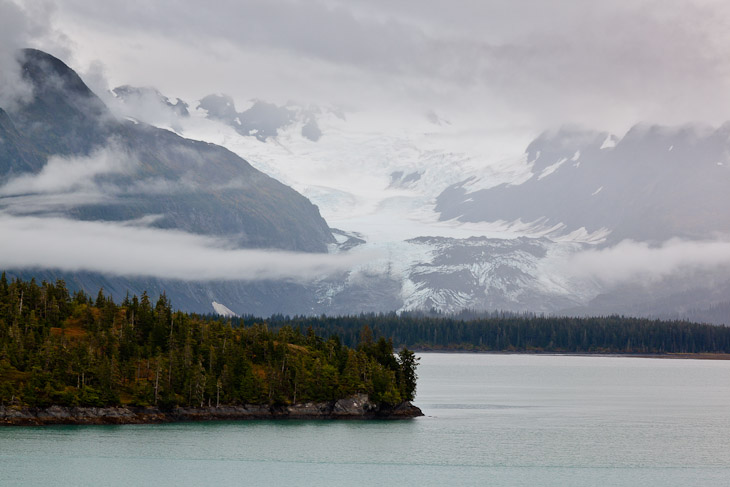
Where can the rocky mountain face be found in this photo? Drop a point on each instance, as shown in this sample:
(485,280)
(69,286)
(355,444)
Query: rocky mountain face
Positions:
(262,120)
(139,95)
(653,184)
(452,274)
(486,274)
(17,154)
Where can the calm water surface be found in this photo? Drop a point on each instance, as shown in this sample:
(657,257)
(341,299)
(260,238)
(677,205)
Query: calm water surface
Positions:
(512,420)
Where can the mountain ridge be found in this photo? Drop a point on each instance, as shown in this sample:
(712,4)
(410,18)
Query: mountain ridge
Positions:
(645,186)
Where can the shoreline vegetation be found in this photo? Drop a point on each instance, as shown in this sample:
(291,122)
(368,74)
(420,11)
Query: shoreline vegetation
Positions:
(69,359)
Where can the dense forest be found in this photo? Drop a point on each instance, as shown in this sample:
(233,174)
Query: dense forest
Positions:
(509,332)
(62,349)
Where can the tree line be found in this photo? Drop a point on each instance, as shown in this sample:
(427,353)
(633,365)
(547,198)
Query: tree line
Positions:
(510,332)
(74,350)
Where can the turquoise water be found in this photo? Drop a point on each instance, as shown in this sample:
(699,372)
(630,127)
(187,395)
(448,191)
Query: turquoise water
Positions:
(508,420)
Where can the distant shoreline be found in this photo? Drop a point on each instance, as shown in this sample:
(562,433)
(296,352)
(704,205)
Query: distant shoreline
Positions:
(353,408)
(683,356)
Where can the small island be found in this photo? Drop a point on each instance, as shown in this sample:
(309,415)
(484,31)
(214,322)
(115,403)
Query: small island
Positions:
(70,359)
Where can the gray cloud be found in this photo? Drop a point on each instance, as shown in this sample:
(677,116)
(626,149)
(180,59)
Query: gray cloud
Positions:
(72,174)
(66,182)
(315,29)
(69,182)
(125,249)
(639,262)
(607,65)
(144,104)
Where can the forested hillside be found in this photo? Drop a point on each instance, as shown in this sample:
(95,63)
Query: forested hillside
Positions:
(62,349)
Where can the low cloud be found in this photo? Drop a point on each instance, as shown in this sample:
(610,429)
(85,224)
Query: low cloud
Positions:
(69,182)
(147,105)
(533,62)
(71,174)
(639,262)
(124,249)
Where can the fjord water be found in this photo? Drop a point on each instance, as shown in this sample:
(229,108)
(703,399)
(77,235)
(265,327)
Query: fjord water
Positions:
(512,420)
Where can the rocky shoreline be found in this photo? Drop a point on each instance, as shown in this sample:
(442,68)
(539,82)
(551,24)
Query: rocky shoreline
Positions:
(355,407)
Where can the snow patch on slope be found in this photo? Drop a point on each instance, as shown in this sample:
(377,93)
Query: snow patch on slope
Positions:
(610,142)
(552,168)
(222,310)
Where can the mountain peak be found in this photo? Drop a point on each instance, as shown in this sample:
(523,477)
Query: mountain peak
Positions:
(45,71)
(563,144)
(73,117)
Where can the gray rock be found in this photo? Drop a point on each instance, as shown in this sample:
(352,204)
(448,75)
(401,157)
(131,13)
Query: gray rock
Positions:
(354,407)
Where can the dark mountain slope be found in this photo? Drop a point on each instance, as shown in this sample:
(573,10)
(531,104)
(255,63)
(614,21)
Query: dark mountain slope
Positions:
(17,155)
(194,186)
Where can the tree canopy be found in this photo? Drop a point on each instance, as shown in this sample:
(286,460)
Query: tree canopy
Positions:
(511,332)
(62,349)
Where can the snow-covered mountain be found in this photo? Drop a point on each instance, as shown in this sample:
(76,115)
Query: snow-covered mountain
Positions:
(433,216)
(451,274)
(653,184)
(462,223)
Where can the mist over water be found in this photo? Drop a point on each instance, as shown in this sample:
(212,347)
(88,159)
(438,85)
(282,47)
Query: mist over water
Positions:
(490,419)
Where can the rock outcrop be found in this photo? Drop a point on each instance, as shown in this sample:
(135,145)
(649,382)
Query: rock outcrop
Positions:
(354,407)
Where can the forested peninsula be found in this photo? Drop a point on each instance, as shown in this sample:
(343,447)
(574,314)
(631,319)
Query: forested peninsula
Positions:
(69,358)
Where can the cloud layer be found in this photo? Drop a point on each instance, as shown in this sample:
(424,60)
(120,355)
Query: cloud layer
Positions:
(639,262)
(127,249)
(525,61)
(71,174)
(67,182)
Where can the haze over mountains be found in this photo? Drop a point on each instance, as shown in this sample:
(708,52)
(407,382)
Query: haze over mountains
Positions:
(581,222)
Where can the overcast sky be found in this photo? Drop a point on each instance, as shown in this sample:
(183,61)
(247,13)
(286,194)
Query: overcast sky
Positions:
(527,64)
